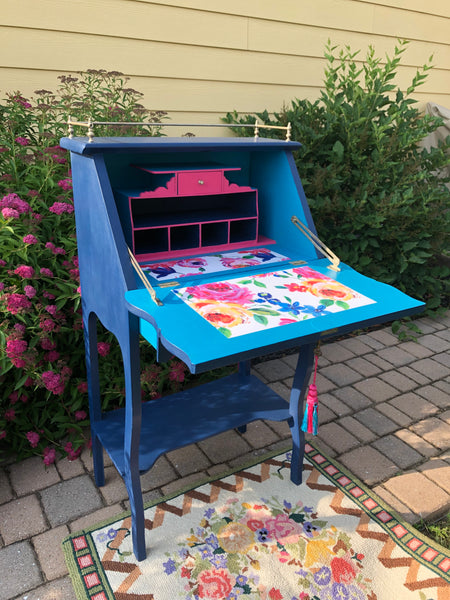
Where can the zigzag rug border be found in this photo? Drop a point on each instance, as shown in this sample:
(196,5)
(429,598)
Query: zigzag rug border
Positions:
(417,545)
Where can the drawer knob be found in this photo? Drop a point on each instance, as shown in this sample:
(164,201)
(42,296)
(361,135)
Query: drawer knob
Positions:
(201,182)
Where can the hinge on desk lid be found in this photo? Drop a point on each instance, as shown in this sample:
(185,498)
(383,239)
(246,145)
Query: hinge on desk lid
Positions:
(165,284)
(144,279)
(298,262)
(312,237)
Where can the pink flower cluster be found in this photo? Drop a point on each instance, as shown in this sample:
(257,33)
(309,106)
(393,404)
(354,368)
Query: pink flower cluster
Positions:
(103,348)
(30,291)
(49,456)
(46,272)
(17,303)
(56,153)
(12,201)
(33,438)
(176,372)
(58,208)
(24,271)
(15,350)
(10,414)
(71,453)
(56,382)
(30,239)
(65,184)
(21,100)
(51,246)
(22,141)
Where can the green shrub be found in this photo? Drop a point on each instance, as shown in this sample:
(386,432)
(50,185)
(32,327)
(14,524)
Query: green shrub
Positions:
(373,191)
(43,400)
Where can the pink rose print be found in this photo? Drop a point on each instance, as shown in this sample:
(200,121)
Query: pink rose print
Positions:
(238,263)
(215,584)
(222,292)
(284,529)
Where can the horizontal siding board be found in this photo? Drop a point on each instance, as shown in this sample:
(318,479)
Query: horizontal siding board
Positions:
(289,38)
(411,25)
(436,7)
(354,15)
(323,13)
(133,20)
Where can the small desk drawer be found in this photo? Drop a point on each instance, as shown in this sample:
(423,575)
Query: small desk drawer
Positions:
(199,182)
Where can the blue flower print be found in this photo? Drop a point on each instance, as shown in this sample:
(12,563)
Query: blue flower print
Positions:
(323,576)
(317,311)
(291,307)
(161,271)
(263,297)
(169,566)
(219,561)
(206,553)
(106,537)
(263,534)
(212,541)
(263,255)
(339,591)
(241,580)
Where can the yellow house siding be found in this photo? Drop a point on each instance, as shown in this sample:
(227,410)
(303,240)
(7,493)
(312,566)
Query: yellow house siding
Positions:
(199,59)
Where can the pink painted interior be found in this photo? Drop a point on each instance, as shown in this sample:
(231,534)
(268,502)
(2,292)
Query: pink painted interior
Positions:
(195,182)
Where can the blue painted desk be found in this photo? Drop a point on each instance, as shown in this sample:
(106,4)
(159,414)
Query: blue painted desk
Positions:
(225,193)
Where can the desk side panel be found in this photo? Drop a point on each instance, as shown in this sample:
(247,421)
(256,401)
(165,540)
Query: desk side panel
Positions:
(105,270)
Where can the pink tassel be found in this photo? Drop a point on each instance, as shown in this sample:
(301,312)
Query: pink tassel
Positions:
(310,418)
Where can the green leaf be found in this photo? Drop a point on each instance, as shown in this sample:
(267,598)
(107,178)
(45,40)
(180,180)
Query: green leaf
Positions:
(261,319)
(338,149)
(326,301)
(297,517)
(265,311)
(259,283)
(342,304)
(225,331)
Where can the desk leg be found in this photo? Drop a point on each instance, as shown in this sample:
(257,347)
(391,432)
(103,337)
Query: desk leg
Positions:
(296,406)
(133,421)
(92,376)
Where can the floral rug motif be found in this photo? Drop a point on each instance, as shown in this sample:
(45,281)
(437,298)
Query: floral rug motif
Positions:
(262,301)
(211,263)
(255,535)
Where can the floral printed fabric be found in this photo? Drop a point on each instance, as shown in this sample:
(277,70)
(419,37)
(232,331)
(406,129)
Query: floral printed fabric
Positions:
(257,302)
(212,263)
(231,551)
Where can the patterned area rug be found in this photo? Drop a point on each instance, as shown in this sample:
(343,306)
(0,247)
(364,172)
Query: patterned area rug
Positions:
(255,535)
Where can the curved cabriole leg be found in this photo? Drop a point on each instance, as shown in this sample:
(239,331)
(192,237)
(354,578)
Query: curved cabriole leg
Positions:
(95,409)
(133,420)
(296,407)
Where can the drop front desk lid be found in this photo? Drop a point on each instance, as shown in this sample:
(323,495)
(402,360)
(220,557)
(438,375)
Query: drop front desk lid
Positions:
(189,335)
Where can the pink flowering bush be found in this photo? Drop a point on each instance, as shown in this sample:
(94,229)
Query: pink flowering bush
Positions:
(43,400)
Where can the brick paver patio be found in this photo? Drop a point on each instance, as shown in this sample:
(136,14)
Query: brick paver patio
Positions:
(385,414)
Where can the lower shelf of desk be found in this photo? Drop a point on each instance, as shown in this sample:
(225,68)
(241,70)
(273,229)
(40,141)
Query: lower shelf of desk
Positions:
(190,416)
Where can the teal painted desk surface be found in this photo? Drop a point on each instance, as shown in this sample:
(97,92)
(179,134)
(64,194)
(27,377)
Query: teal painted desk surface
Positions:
(189,336)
